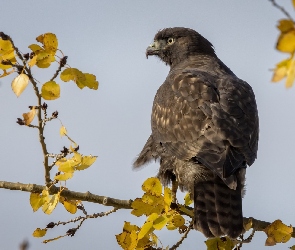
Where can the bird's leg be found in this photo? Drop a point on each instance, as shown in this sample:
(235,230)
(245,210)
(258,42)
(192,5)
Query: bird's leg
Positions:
(174,190)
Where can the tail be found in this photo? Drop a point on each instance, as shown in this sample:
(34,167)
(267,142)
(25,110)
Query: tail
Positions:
(218,209)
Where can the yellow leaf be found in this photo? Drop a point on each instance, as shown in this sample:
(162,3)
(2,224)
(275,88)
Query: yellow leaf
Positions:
(29,117)
(292,247)
(50,90)
(87,161)
(19,84)
(145,229)
(293,2)
(33,61)
(248,225)
(36,201)
(70,206)
(129,227)
(73,74)
(50,203)
(187,199)
(167,198)
(127,241)
(35,48)
(186,211)
(290,75)
(219,244)
(6,53)
(277,232)
(64,177)
(90,81)
(153,200)
(66,166)
(152,185)
(160,222)
(39,232)
(281,71)
(43,58)
(140,208)
(50,42)
(177,220)
(286,42)
(62,131)
(285,25)
(270,241)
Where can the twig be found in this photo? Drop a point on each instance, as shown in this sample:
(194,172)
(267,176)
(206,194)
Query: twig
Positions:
(282,9)
(183,237)
(40,128)
(62,63)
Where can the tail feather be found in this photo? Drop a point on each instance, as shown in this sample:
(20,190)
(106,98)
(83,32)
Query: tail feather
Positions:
(218,209)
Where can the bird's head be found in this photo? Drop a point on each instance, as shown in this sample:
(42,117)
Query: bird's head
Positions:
(173,45)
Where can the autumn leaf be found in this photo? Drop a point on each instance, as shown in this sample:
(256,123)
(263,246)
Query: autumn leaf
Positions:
(64,177)
(44,55)
(167,198)
(29,117)
(277,232)
(290,75)
(223,243)
(90,81)
(187,199)
(70,206)
(19,84)
(73,74)
(6,53)
(286,42)
(39,232)
(152,185)
(50,203)
(36,201)
(50,90)
(49,41)
(160,222)
(66,165)
(86,162)
(285,25)
(62,131)
(127,240)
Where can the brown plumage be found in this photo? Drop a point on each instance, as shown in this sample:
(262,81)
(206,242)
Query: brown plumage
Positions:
(204,130)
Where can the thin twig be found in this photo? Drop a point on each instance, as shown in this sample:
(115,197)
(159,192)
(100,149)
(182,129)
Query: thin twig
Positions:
(62,63)
(282,9)
(183,237)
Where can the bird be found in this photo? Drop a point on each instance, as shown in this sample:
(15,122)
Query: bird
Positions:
(205,130)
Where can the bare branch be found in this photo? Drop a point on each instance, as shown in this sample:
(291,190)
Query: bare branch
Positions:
(281,9)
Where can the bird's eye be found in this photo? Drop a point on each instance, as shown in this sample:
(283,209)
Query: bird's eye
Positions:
(170,40)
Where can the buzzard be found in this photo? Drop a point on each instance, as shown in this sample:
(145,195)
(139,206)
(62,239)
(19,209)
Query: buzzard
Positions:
(204,130)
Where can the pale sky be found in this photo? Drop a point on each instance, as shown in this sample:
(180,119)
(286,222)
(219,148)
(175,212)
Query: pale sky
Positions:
(109,39)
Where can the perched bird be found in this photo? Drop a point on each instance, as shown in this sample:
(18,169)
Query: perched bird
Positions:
(204,130)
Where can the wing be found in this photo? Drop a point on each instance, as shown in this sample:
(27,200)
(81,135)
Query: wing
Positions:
(207,118)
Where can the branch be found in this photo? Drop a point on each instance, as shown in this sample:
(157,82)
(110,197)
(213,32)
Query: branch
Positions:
(71,195)
(282,9)
(257,225)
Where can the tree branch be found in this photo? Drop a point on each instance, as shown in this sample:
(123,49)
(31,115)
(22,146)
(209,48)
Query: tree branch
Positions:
(257,225)
(71,195)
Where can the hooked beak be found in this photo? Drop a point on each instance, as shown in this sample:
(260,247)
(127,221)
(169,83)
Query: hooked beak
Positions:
(154,48)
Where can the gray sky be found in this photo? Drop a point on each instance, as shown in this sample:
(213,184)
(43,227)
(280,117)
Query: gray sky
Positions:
(108,39)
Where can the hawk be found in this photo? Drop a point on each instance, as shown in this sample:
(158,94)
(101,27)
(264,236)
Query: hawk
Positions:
(204,130)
